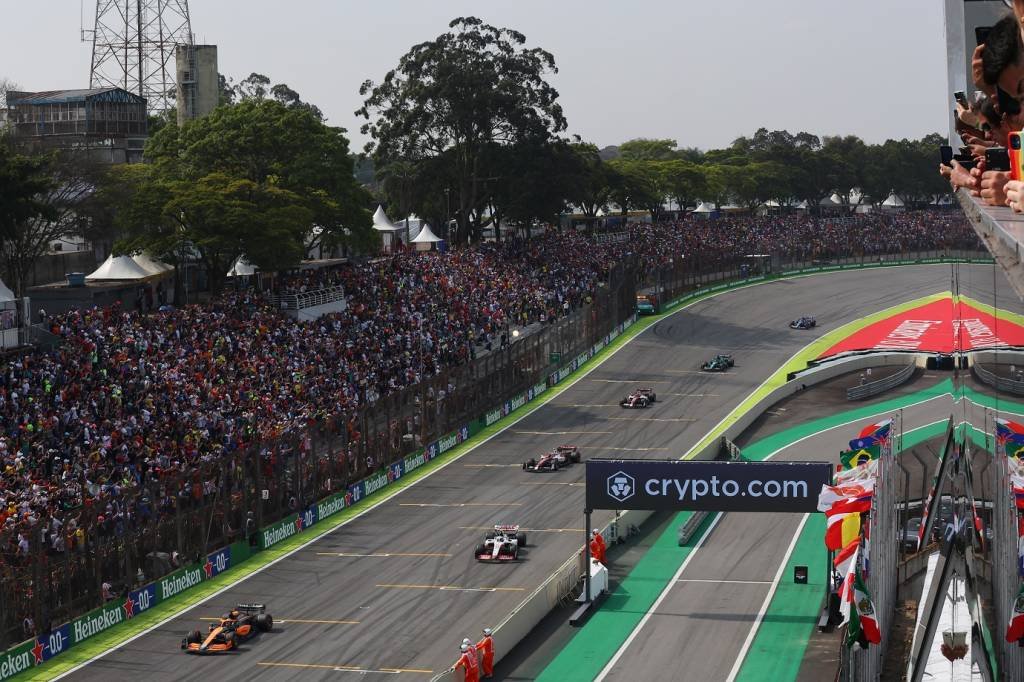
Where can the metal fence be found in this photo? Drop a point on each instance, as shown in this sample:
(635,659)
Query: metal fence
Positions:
(873,388)
(997,382)
(51,574)
(308,299)
(1003,552)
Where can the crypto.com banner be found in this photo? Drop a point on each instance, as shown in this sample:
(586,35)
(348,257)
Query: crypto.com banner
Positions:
(705,486)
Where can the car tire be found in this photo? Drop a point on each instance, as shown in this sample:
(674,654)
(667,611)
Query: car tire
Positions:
(264,622)
(194,637)
(521,539)
(654,398)
(480,549)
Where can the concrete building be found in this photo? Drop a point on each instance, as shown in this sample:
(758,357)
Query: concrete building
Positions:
(109,123)
(198,81)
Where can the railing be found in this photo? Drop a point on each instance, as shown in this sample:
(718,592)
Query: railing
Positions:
(308,299)
(882,385)
(999,383)
(611,237)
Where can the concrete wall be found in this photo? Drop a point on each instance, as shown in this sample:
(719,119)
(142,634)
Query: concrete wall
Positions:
(198,86)
(53,266)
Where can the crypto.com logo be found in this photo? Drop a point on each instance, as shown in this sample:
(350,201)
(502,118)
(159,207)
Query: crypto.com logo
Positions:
(621,486)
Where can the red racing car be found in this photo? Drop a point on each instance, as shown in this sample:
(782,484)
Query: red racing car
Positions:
(639,399)
(562,456)
(243,622)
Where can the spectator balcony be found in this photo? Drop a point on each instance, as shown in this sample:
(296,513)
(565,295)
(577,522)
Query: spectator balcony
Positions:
(309,305)
(1002,232)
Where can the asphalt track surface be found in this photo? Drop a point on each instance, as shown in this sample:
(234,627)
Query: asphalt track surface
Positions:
(395,590)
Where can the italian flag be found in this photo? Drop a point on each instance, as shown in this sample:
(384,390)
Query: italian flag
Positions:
(863,627)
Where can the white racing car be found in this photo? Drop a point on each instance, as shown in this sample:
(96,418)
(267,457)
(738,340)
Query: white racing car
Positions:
(501,544)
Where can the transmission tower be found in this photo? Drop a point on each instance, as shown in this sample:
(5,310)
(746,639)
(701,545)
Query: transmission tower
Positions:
(133,47)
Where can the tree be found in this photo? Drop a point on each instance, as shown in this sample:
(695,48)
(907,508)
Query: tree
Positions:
(644,149)
(457,95)
(596,182)
(39,202)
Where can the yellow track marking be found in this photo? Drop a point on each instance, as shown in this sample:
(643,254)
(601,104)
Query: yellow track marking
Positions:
(528,530)
(612,447)
(460,504)
(553,483)
(560,433)
(638,382)
(450,588)
(343,668)
(652,419)
(384,555)
(482,466)
(302,620)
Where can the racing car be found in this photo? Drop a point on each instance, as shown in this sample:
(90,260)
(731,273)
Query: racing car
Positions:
(803,323)
(719,363)
(243,622)
(562,456)
(501,544)
(640,398)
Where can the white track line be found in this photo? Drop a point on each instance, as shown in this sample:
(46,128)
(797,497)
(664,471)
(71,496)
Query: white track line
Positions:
(661,597)
(767,600)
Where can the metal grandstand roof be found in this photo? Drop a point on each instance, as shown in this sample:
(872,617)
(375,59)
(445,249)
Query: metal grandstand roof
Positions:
(66,96)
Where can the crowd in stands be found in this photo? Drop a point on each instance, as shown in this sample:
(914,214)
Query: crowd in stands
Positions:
(127,397)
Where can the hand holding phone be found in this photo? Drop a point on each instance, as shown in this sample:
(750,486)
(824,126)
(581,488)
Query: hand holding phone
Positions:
(1013,144)
(997,159)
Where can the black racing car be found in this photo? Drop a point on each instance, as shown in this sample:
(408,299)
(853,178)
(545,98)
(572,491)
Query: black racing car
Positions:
(719,363)
(803,323)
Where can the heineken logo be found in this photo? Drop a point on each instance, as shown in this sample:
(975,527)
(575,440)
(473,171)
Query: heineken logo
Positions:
(375,483)
(414,462)
(179,583)
(518,402)
(330,506)
(489,418)
(87,626)
(11,665)
(272,536)
(447,443)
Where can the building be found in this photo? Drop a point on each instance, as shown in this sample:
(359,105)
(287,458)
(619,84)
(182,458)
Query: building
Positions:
(109,123)
(198,81)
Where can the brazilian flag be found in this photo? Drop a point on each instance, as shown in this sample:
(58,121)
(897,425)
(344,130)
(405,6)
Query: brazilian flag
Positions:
(858,456)
(1015,449)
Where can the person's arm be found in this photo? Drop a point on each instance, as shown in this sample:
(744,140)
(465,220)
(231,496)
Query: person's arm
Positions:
(993,187)
(1015,195)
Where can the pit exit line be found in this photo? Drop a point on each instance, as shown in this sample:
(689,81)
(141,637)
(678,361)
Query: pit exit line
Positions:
(345,668)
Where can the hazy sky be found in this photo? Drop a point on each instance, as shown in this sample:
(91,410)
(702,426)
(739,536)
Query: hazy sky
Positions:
(702,73)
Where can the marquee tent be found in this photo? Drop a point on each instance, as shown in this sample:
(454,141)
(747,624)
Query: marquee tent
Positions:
(893,202)
(5,293)
(426,236)
(704,208)
(118,268)
(150,265)
(382,223)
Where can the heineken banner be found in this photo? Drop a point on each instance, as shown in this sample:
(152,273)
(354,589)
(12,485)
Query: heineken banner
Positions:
(18,659)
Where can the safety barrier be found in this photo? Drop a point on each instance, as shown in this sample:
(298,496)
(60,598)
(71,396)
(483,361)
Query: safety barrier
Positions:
(997,382)
(308,299)
(873,388)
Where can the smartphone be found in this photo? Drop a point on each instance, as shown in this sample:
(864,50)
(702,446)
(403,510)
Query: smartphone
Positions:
(945,155)
(1013,149)
(997,159)
(961,99)
(981,33)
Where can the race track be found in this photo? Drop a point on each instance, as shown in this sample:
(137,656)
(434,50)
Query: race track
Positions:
(395,590)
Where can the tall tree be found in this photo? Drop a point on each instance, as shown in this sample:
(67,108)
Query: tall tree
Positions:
(457,95)
(645,149)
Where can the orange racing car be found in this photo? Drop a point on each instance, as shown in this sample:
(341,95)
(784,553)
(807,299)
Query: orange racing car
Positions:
(243,622)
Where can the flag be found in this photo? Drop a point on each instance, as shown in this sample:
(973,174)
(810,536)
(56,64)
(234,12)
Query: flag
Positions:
(857,474)
(856,457)
(844,563)
(1020,556)
(830,494)
(842,530)
(867,549)
(863,627)
(850,505)
(1009,432)
(1015,450)
(1015,629)
(873,434)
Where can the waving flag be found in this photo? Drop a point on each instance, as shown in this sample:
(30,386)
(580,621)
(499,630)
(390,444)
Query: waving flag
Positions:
(1015,629)
(844,564)
(859,456)
(831,497)
(863,627)
(872,435)
(842,530)
(1009,431)
(857,474)
(1014,450)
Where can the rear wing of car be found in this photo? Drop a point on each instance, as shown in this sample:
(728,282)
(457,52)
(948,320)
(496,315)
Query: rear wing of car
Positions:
(506,528)
(567,448)
(252,608)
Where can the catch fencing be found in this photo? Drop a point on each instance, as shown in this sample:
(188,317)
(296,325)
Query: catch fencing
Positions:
(873,388)
(1003,552)
(997,382)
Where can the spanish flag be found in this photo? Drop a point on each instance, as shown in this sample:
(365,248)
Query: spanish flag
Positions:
(842,529)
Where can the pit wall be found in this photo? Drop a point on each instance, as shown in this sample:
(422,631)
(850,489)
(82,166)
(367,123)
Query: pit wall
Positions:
(32,653)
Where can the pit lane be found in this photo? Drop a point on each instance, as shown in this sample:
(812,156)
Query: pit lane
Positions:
(416,631)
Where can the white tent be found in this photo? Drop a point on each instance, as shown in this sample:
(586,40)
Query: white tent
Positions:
(5,293)
(150,265)
(382,223)
(119,268)
(802,206)
(242,268)
(426,236)
(703,207)
(893,202)
(830,202)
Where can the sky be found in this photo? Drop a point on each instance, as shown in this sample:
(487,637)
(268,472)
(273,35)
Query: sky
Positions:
(701,73)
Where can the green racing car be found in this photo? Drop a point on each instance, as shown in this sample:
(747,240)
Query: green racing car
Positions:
(719,363)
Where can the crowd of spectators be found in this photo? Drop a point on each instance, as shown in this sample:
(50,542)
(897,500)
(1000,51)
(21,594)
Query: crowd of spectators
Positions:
(127,398)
